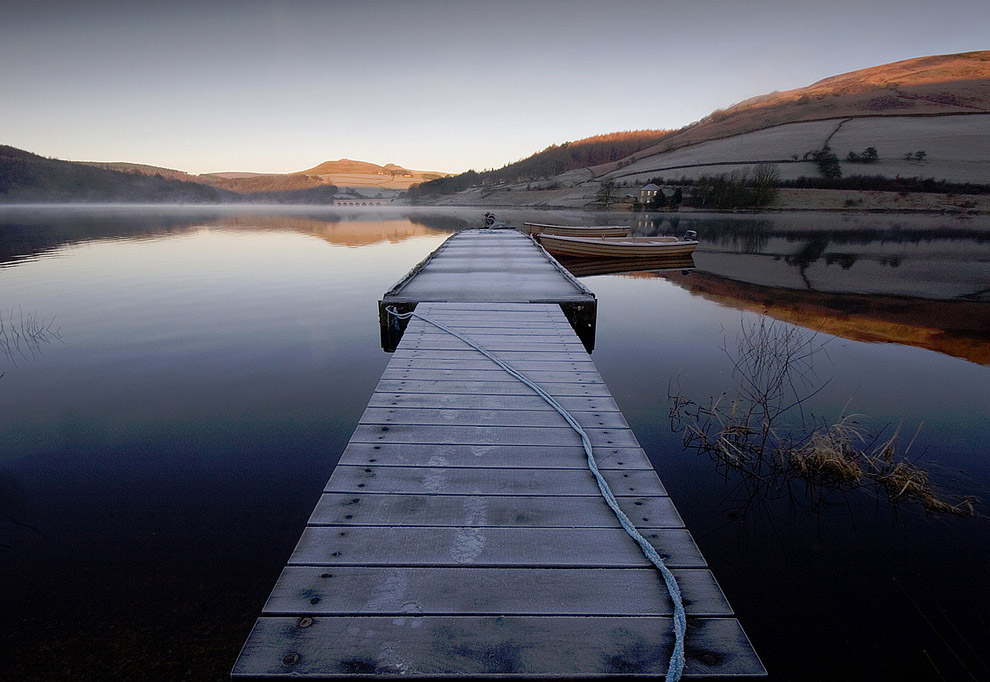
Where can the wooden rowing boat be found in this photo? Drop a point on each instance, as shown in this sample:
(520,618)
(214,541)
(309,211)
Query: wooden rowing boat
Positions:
(575,230)
(617,247)
(586,267)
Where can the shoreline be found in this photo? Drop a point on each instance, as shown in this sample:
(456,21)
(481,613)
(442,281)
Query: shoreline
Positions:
(865,203)
(788,200)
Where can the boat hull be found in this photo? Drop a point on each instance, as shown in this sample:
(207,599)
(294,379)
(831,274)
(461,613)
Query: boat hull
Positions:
(575,230)
(617,247)
(586,267)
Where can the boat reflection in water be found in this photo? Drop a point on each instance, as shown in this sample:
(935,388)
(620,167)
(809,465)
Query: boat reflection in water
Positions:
(587,267)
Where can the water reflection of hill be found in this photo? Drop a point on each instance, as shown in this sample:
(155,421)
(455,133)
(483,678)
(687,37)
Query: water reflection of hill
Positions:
(344,233)
(958,328)
(29,234)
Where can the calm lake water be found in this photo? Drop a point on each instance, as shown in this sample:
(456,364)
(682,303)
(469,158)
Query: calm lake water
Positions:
(164,441)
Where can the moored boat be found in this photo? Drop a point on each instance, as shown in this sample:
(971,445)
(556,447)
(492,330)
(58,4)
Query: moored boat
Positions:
(617,247)
(585,267)
(575,230)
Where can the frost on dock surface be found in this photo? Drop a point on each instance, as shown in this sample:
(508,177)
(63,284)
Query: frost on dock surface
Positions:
(489,266)
(461,534)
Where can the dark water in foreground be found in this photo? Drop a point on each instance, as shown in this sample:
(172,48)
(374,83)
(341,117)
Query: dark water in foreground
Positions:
(163,444)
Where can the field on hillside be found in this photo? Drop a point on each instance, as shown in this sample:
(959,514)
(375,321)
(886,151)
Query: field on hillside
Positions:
(955,150)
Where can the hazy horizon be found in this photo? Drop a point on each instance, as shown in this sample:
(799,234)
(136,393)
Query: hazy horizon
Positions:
(274,87)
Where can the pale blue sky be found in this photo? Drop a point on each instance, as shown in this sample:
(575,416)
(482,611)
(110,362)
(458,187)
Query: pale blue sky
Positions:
(433,85)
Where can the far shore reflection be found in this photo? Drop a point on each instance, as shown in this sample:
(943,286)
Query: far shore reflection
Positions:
(957,328)
(960,328)
(28,232)
(918,280)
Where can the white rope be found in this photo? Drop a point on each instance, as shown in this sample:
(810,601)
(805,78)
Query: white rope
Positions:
(676,666)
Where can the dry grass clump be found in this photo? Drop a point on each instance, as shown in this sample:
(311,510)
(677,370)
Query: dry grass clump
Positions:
(906,481)
(773,369)
(829,456)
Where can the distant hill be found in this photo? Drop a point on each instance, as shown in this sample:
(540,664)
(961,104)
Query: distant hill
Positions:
(144,169)
(346,166)
(554,160)
(343,173)
(256,183)
(583,153)
(27,177)
(927,117)
(940,84)
(911,123)
(361,174)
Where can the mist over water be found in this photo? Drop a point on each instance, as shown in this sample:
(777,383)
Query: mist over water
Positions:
(160,456)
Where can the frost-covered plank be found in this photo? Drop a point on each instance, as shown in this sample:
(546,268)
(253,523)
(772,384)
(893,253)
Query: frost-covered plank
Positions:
(315,590)
(467,417)
(512,464)
(491,647)
(452,387)
(501,511)
(492,547)
(492,403)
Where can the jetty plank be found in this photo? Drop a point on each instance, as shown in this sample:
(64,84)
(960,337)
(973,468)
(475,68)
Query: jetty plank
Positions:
(512,358)
(500,511)
(466,544)
(491,647)
(558,389)
(465,417)
(532,462)
(487,435)
(530,403)
(461,535)
(405,590)
(496,374)
(625,481)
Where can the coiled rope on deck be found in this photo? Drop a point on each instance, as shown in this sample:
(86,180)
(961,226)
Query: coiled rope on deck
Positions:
(676,666)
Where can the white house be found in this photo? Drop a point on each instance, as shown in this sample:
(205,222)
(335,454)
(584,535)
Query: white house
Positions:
(648,193)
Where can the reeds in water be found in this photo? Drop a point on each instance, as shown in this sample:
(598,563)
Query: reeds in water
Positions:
(22,334)
(748,433)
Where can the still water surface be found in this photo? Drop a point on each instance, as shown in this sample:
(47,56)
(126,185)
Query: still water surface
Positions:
(162,447)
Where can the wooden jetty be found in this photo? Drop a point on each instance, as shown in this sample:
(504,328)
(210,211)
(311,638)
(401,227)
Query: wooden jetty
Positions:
(461,535)
(497,265)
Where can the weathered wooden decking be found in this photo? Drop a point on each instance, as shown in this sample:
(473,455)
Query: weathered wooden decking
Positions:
(496,265)
(461,534)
